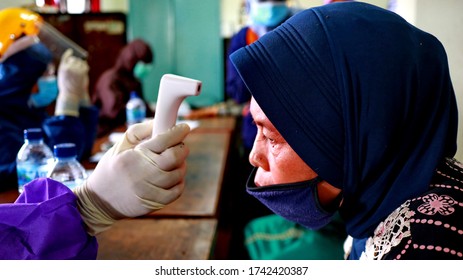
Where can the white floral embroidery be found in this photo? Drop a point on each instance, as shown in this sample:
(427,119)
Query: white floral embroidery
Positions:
(389,233)
(434,204)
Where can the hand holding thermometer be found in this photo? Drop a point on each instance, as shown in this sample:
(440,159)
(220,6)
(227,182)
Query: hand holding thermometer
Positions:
(173,90)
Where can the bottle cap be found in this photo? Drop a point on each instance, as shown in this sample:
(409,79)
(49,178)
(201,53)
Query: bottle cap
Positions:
(33,134)
(133,94)
(65,150)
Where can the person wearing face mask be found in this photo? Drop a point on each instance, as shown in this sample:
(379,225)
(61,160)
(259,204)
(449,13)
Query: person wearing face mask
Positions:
(265,16)
(47,88)
(113,88)
(356,113)
(28,85)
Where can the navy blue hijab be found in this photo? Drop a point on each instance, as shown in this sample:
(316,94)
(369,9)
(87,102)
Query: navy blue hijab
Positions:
(363,97)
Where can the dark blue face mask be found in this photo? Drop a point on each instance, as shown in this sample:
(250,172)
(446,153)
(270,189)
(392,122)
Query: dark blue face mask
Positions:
(297,202)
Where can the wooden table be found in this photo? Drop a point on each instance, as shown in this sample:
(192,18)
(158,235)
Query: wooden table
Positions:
(158,239)
(9,196)
(225,124)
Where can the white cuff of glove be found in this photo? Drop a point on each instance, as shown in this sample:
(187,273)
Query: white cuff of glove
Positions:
(95,218)
(85,100)
(67,104)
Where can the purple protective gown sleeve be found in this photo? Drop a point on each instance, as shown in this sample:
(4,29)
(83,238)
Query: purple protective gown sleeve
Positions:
(44,223)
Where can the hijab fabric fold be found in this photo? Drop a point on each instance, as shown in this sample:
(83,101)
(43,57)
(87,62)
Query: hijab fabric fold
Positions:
(363,97)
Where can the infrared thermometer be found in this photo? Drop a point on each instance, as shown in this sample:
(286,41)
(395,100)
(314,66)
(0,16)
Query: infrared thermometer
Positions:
(173,90)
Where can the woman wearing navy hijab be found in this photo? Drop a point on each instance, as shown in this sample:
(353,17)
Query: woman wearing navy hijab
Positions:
(356,112)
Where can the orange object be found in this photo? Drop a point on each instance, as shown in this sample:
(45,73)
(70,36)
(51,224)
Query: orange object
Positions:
(15,23)
(251,36)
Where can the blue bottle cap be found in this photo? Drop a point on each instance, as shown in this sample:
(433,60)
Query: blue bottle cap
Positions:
(65,150)
(32,134)
(133,94)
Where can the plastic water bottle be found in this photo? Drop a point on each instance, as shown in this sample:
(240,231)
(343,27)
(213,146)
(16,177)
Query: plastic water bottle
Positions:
(66,168)
(135,109)
(34,159)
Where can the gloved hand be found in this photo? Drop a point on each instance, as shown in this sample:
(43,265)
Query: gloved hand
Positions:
(72,85)
(19,45)
(134,177)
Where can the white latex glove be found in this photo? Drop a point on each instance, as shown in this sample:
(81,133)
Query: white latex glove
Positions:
(19,45)
(135,177)
(72,85)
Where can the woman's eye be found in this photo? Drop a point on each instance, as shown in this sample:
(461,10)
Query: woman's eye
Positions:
(262,134)
(262,137)
(269,139)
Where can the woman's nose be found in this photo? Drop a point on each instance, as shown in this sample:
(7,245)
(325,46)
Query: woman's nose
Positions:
(257,156)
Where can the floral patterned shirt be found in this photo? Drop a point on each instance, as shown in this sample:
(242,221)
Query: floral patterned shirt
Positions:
(426,227)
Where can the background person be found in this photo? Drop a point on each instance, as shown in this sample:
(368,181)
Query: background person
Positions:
(23,61)
(113,88)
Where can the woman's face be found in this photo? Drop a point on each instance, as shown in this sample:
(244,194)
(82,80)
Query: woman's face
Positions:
(276,161)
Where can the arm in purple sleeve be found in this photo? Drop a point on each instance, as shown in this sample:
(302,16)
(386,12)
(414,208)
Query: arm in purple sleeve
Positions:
(44,223)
